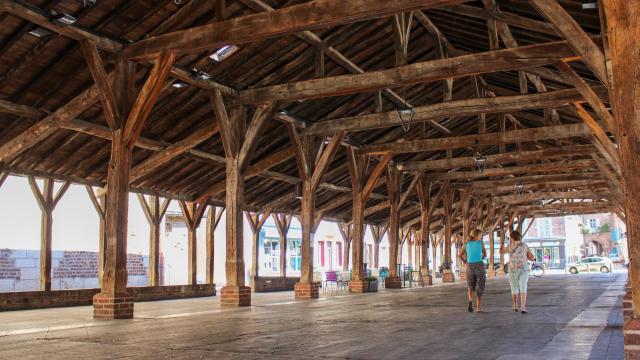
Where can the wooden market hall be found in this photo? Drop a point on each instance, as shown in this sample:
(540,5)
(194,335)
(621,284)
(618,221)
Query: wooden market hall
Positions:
(421,118)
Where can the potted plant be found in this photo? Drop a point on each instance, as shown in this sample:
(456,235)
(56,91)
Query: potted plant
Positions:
(373,283)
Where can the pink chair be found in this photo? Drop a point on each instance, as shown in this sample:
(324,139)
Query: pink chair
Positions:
(330,277)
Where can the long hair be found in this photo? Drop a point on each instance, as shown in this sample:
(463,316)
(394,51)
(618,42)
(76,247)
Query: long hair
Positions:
(516,236)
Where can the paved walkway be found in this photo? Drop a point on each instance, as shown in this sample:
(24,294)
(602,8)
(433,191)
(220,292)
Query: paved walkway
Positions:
(570,317)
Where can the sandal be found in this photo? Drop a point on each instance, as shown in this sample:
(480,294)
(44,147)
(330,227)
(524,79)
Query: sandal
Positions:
(470,307)
(515,309)
(524,311)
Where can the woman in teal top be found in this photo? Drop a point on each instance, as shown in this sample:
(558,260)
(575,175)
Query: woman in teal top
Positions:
(472,254)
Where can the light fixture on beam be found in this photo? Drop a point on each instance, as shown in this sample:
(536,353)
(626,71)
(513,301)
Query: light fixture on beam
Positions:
(298,191)
(179,84)
(199,74)
(64,19)
(543,202)
(519,188)
(40,32)
(405,114)
(481,163)
(87,3)
(589,4)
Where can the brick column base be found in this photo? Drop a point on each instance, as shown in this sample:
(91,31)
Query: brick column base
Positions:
(306,291)
(632,338)
(359,286)
(627,305)
(448,276)
(110,306)
(491,272)
(427,280)
(392,283)
(233,296)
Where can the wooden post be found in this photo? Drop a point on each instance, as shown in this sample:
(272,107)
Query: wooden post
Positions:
(312,166)
(99,203)
(154,212)
(283,222)
(192,213)
(213,218)
(47,203)
(362,184)
(394,184)
(502,232)
(466,227)
(378,234)
(424,196)
(447,275)
(347,235)
(623,24)
(239,141)
(256,221)
(434,253)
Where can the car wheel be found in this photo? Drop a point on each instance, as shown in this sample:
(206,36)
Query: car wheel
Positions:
(573,270)
(604,269)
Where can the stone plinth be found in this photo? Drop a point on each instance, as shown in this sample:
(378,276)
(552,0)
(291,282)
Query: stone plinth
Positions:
(393,282)
(359,286)
(304,291)
(232,296)
(427,280)
(632,338)
(112,306)
(448,276)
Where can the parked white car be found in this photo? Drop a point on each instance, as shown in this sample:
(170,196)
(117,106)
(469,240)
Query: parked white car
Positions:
(592,263)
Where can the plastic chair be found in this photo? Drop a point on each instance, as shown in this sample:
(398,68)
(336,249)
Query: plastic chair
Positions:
(330,277)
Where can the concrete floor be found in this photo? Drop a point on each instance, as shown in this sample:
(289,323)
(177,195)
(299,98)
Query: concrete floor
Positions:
(570,317)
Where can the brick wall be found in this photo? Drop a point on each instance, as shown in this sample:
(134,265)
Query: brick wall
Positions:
(39,299)
(20,270)
(273,283)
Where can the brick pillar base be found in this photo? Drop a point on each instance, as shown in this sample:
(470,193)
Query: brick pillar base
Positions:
(448,276)
(110,306)
(233,296)
(463,272)
(427,280)
(632,338)
(491,272)
(627,305)
(359,286)
(392,283)
(306,291)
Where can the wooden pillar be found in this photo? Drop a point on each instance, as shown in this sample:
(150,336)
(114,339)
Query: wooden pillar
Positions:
(213,219)
(623,24)
(447,274)
(47,203)
(283,222)
(311,168)
(424,195)
(239,141)
(154,212)
(466,227)
(394,187)
(378,234)
(192,213)
(501,233)
(362,184)
(256,221)
(125,113)
(347,235)
(434,251)
(99,203)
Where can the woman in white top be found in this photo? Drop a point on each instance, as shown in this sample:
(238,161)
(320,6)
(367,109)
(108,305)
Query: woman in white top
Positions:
(519,256)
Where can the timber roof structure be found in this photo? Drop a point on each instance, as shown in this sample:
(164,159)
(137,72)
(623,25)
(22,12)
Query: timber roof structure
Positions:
(512,83)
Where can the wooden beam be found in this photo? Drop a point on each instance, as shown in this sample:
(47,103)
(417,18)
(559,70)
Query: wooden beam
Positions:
(466,107)
(147,98)
(455,142)
(99,74)
(578,39)
(510,157)
(47,126)
(429,71)
(172,151)
(537,196)
(561,166)
(532,179)
(263,114)
(261,26)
